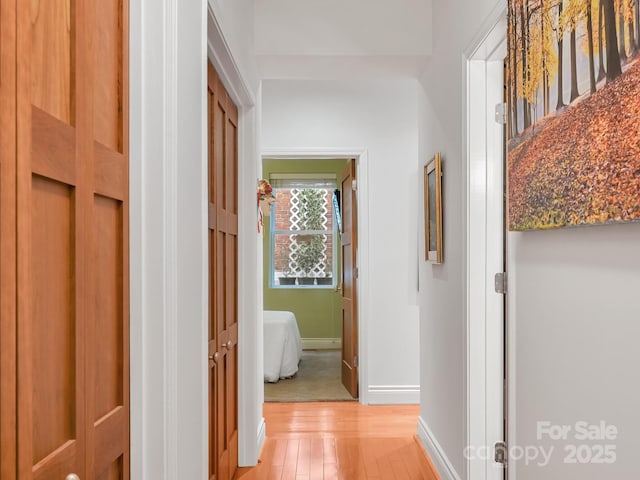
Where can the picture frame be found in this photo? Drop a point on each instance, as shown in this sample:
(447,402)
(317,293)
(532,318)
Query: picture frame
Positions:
(433,210)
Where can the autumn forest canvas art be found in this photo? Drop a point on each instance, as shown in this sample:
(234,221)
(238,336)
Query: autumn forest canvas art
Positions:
(573,122)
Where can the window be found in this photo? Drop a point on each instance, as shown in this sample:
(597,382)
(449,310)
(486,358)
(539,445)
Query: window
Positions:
(303,233)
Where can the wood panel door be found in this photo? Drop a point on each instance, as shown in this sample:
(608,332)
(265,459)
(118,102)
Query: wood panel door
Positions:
(72,239)
(349,242)
(8,378)
(223,280)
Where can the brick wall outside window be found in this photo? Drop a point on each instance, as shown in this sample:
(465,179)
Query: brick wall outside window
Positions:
(282,212)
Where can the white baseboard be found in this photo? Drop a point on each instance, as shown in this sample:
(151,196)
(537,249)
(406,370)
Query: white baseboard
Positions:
(394,394)
(260,439)
(435,452)
(262,435)
(321,343)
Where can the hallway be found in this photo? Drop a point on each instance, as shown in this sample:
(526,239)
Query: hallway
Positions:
(340,441)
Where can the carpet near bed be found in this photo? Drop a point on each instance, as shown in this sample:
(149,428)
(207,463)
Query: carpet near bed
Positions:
(318,380)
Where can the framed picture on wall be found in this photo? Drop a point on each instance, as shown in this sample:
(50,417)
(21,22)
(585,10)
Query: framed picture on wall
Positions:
(433,209)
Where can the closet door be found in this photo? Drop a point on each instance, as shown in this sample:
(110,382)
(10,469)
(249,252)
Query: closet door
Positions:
(72,239)
(223,281)
(108,249)
(7,240)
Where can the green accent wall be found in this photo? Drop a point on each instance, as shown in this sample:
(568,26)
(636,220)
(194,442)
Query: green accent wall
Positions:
(318,310)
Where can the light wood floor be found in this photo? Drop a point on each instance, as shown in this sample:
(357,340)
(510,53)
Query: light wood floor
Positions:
(345,441)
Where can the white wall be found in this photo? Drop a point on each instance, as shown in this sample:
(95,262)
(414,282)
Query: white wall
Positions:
(235,19)
(335,39)
(577,313)
(572,294)
(339,27)
(442,287)
(379,117)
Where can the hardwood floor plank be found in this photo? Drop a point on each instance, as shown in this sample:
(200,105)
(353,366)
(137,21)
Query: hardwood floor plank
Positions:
(429,469)
(397,463)
(279,452)
(291,460)
(329,453)
(370,453)
(385,468)
(331,471)
(341,441)
(275,472)
(304,458)
(316,459)
(417,463)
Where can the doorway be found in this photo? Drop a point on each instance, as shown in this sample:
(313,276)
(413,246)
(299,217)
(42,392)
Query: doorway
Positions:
(303,287)
(486,248)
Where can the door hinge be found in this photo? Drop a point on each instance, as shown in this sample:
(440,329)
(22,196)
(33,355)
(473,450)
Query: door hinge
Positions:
(501,282)
(354,185)
(500,450)
(355,361)
(356,273)
(501,113)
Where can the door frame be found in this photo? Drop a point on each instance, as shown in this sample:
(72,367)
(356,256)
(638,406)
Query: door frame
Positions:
(485,255)
(362,195)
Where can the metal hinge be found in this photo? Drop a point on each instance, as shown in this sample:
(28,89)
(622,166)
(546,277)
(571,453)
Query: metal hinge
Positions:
(354,185)
(501,113)
(355,361)
(356,273)
(501,282)
(500,450)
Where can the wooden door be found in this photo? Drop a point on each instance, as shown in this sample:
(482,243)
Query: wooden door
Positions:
(349,241)
(72,239)
(223,281)
(8,378)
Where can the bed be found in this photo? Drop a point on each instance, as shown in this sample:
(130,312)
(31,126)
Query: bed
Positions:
(282,345)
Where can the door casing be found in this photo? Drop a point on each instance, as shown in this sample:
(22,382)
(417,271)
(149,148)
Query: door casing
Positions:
(486,358)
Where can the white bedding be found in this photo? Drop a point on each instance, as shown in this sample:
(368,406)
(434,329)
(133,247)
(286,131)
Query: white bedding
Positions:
(282,345)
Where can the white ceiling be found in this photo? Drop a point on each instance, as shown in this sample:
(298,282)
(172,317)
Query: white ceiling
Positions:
(329,38)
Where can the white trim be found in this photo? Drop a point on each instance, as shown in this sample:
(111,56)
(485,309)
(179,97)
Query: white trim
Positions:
(250,369)
(190,324)
(394,395)
(512,472)
(436,452)
(219,52)
(262,434)
(321,343)
(488,36)
(302,176)
(362,193)
(311,153)
(169,207)
(136,239)
(484,254)
(153,241)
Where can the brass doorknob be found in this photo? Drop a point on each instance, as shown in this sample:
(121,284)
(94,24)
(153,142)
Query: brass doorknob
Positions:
(228,345)
(72,476)
(214,357)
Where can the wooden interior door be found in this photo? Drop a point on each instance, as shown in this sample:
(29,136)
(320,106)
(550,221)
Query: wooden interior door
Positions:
(72,239)
(8,212)
(223,281)
(349,242)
